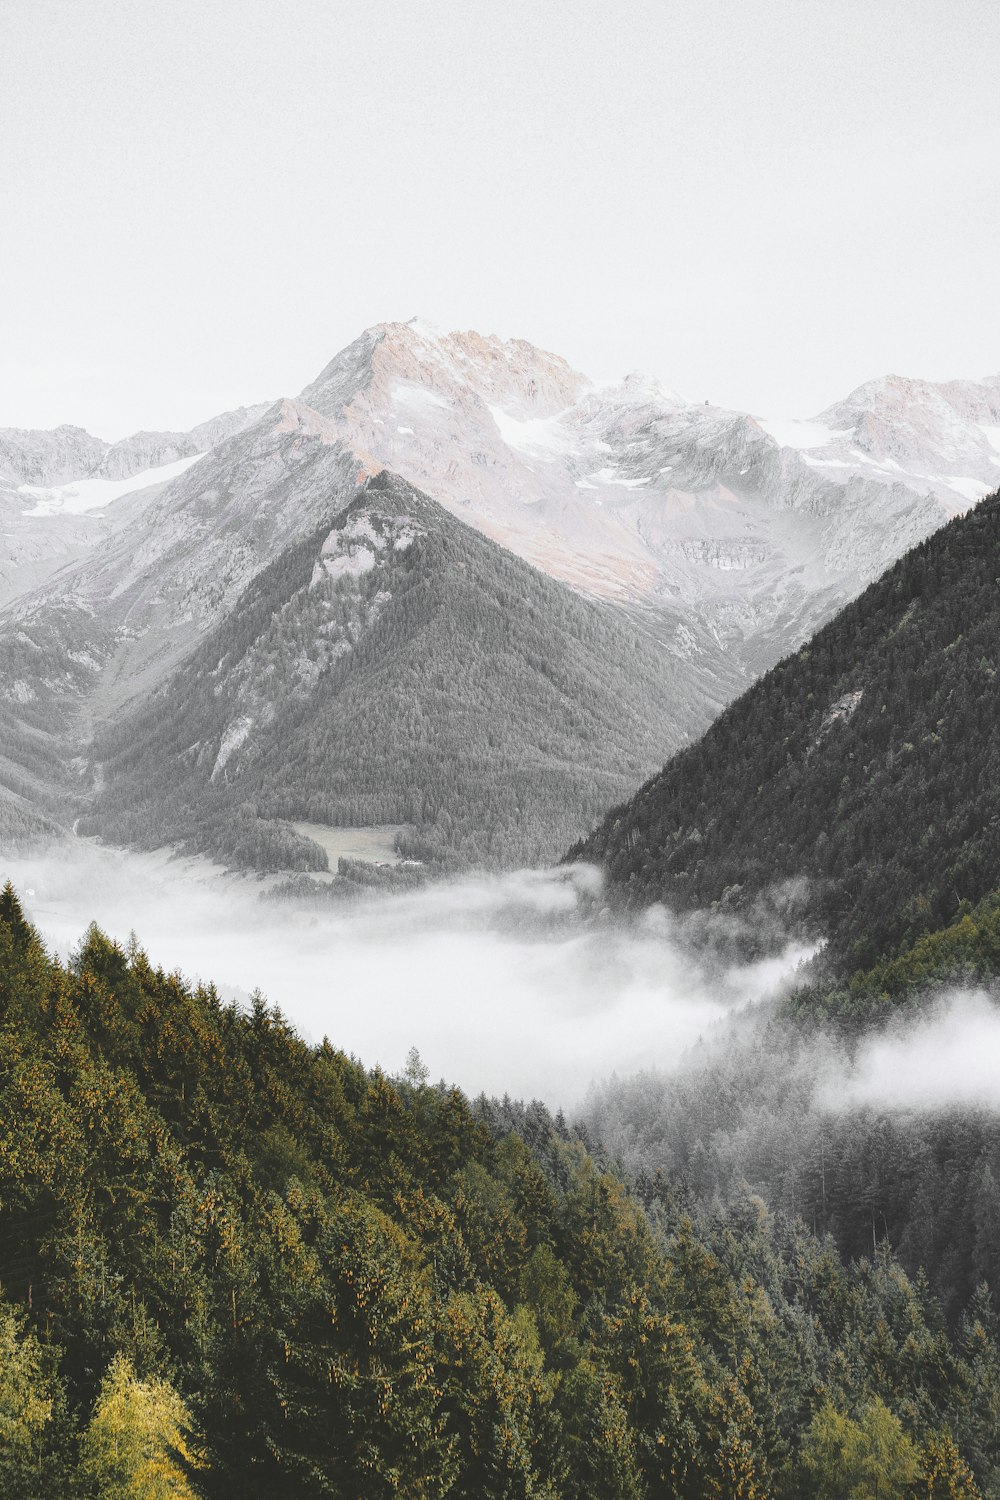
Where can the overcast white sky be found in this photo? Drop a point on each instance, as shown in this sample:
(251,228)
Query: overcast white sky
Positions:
(762,201)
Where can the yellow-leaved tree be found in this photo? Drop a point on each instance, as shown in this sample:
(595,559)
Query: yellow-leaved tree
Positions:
(137,1445)
(28,1413)
(868,1459)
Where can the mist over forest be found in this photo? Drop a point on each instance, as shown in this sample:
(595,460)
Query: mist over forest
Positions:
(463,969)
(673,1169)
(684,1048)
(756,1240)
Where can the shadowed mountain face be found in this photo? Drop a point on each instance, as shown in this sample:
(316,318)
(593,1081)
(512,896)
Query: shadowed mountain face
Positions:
(395,668)
(866,762)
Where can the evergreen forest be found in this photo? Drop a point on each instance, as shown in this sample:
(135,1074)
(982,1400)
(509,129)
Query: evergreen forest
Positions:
(236,1264)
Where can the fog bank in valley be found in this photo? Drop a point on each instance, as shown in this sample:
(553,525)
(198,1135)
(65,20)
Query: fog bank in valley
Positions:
(500,982)
(515,984)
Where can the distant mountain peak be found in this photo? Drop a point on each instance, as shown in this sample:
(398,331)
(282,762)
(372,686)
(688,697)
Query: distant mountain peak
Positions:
(948,431)
(67,453)
(640,387)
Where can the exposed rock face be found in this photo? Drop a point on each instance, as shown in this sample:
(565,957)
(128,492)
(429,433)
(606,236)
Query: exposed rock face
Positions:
(151,450)
(31,457)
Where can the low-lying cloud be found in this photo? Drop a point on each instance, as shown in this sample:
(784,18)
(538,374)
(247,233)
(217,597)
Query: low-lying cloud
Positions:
(504,984)
(948,1058)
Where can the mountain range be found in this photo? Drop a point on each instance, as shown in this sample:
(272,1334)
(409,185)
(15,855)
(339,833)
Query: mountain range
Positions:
(711,541)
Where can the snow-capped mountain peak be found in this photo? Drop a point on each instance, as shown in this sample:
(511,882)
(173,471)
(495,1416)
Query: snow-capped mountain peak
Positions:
(390,361)
(644,389)
(941,439)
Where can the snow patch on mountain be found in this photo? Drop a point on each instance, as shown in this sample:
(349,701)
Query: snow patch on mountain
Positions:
(81,495)
(972,490)
(412,397)
(540,436)
(61,455)
(233,737)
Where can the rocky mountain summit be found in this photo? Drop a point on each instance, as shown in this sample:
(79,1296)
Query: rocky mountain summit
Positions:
(727,528)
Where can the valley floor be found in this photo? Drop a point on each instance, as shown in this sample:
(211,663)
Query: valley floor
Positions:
(375,845)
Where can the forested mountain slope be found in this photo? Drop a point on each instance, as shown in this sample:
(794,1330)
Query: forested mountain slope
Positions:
(234,1264)
(395,668)
(866,1109)
(867,763)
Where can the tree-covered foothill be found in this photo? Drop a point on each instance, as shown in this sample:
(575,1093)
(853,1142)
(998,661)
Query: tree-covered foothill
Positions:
(396,667)
(867,763)
(235,1264)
